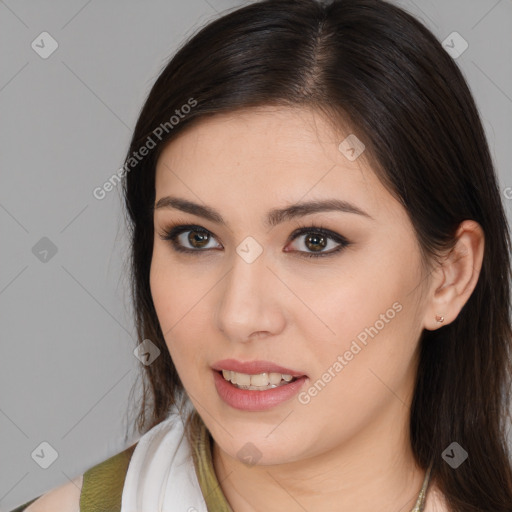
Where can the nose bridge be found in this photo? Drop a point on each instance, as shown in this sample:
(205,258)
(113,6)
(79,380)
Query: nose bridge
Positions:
(248,303)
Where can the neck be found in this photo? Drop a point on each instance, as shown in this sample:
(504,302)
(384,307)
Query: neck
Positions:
(374,470)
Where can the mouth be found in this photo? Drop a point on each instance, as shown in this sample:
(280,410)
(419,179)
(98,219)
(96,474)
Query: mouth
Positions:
(255,385)
(258,382)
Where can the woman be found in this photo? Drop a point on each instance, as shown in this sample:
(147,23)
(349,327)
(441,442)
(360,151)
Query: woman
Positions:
(321,258)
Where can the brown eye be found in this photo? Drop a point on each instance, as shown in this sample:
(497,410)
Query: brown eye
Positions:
(195,239)
(198,239)
(189,238)
(315,242)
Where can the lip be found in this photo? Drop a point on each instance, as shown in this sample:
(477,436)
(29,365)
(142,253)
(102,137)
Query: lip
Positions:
(255,367)
(255,400)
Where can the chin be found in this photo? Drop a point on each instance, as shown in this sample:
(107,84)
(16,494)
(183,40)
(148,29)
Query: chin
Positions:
(253,445)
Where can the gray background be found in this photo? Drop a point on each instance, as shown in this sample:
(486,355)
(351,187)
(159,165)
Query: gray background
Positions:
(67,363)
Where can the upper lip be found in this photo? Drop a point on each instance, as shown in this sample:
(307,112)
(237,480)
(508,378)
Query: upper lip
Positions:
(254,367)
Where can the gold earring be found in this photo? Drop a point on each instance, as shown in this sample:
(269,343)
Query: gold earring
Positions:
(440,319)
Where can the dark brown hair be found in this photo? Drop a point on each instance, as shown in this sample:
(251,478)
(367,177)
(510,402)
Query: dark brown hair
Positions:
(371,65)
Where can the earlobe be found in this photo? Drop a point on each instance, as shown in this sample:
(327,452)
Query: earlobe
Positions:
(458,275)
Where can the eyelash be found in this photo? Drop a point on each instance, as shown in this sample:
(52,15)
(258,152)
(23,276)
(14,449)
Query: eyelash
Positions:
(172,231)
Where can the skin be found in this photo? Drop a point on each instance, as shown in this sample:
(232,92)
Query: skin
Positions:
(349,447)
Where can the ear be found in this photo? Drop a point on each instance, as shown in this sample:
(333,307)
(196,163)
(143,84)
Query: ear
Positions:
(456,277)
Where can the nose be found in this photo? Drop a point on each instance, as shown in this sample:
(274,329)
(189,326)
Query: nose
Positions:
(250,302)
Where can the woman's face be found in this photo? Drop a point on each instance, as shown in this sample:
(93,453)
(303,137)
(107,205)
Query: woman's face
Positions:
(340,310)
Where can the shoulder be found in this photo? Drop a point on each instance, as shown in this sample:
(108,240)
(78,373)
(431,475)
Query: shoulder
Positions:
(65,498)
(99,488)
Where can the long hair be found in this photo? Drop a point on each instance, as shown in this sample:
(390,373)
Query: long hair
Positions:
(369,65)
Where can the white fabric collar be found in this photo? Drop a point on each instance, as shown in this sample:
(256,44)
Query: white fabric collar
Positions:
(161,476)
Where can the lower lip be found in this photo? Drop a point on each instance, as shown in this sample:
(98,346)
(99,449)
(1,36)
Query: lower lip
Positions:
(254,400)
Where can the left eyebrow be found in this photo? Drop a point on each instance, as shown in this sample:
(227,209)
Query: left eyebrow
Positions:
(274,216)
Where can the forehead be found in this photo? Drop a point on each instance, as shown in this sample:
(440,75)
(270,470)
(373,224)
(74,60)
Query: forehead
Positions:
(261,133)
(266,156)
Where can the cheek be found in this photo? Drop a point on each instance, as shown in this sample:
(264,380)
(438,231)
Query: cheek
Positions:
(180,310)
(163,292)
(174,290)
(354,381)
(368,297)
(372,311)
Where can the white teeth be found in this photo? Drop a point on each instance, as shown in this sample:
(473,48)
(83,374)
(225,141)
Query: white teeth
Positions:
(256,380)
(261,381)
(274,378)
(242,379)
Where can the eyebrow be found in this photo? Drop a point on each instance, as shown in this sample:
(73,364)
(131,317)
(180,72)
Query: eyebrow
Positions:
(274,216)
